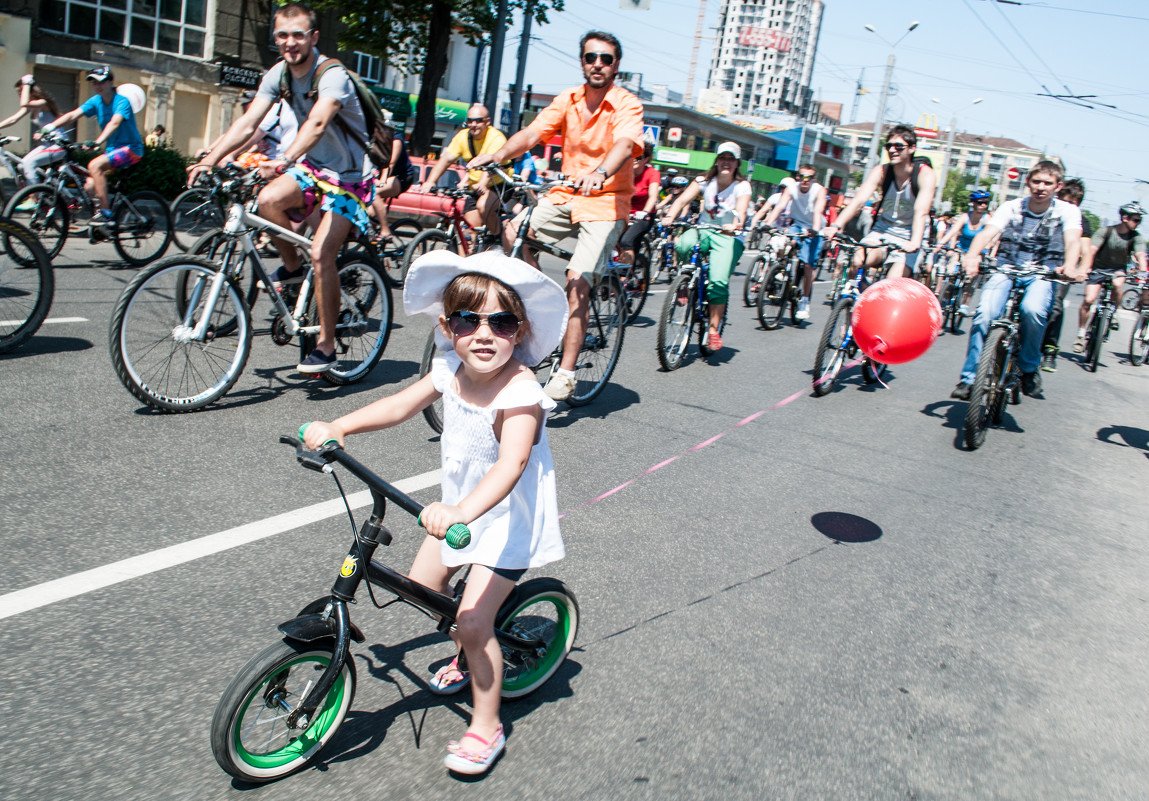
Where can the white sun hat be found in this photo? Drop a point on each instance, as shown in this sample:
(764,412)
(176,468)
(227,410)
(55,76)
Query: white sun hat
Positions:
(544,300)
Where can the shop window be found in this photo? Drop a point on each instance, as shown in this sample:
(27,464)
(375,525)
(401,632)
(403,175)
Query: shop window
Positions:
(169,26)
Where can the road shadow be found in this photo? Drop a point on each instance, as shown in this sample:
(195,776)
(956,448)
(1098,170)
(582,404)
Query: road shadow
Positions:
(1134,437)
(363,731)
(278,383)
(40,345)
(845,527)
(613,398)
(954,417)
(852,376)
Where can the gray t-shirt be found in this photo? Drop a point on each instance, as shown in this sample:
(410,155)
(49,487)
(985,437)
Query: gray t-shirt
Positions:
(336,151)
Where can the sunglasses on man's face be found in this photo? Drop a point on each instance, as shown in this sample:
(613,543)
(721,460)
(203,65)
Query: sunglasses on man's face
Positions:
(1133,219)
(606,58)
(476,120)
(897,147)
(298,36)
(464,323)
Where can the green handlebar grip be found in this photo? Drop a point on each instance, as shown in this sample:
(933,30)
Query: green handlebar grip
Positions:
(458,535)
(303,428)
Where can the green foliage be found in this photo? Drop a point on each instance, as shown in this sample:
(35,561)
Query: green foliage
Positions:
(856,179)
(957,191)
(1093,219)
(399,31)
(163,169)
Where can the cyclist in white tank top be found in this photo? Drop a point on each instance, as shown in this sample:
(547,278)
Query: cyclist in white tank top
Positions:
(807,201)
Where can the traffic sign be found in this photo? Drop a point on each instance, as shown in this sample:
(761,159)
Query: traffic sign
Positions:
(652,132)
(1013,173)
(674,135)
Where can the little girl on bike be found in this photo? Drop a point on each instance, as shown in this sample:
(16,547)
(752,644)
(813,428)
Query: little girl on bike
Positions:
(496,318)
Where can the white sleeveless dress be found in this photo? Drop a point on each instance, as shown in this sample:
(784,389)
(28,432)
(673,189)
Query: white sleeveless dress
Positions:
(522,530)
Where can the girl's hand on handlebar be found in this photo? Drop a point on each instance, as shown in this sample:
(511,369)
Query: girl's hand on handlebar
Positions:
(438,517)
(318,433)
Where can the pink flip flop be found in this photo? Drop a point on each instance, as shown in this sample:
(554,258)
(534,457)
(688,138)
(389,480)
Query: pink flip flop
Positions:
(471,763)
(450,679)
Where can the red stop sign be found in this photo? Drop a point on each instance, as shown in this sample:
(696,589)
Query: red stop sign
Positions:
(1014,173)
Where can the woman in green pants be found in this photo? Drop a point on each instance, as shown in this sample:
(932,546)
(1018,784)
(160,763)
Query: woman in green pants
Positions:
(725,200)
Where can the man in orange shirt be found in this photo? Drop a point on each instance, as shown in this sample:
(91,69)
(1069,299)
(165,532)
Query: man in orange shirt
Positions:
(601,126)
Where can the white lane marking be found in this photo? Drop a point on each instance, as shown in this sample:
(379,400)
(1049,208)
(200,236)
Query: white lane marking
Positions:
(60,589)
(49,321)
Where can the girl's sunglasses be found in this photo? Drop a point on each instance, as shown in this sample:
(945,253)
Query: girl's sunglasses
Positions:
(464,323)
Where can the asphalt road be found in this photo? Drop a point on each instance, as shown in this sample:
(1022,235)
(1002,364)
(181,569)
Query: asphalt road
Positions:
(833,600)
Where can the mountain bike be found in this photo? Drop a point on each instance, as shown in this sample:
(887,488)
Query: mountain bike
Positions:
(453,233)
(141,224)
(1135,284)
(782,285)
(770,248)
(998,377)
(837,348)
(290,700)
(1139,339)
(686,309)
(14,165)
(1102,323)
(951,289)
(181,331)
(27,285)
(658,252)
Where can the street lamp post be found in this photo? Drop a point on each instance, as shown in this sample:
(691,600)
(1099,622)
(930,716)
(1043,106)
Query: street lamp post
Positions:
(941,187)
(879,120)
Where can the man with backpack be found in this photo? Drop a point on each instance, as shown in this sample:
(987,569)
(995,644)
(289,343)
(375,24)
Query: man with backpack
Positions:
(1113,247)
(328,169)
(902,215)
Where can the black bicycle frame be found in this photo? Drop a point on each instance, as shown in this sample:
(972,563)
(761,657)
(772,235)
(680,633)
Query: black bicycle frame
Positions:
(334,621)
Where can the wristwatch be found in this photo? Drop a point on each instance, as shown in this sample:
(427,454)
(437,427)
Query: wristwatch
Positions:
(601,171)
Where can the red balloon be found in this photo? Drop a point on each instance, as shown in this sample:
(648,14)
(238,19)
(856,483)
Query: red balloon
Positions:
(896,320)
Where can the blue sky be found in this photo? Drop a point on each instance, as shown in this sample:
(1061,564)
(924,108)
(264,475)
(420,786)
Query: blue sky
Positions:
(962,50)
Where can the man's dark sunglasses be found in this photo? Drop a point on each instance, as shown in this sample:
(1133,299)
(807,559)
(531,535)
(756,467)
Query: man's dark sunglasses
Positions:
(897,147)
(477,119)
(464,323)
(606,58)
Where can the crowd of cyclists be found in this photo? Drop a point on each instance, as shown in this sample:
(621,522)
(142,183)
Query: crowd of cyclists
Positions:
(306,133)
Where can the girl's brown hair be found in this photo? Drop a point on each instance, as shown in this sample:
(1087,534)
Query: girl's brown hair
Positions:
(468,292)
(36,92)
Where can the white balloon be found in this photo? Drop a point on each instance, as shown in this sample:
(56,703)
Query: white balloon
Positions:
(134,94)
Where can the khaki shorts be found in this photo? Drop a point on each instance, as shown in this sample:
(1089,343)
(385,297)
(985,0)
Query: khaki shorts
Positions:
(595,239)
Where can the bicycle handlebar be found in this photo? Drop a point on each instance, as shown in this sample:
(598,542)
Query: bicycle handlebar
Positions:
(458,535)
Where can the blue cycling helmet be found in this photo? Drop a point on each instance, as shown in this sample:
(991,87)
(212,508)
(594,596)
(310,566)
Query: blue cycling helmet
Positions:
(979,196)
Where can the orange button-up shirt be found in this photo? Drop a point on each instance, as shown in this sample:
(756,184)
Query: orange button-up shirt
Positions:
(586,141)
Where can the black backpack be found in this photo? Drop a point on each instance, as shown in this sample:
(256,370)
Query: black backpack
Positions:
(888,180)
(379,134)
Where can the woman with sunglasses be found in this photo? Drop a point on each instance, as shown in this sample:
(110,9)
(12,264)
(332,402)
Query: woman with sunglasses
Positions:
(961,234)
(496,317)
(907,187)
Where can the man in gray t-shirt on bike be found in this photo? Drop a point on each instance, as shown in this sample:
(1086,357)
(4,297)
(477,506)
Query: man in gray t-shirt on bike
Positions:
(324,175)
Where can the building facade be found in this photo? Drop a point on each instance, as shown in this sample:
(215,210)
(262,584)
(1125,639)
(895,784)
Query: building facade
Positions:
(763,57)
(979,157)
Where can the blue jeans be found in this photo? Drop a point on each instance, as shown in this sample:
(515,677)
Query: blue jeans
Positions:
(808,254)
(1035,301)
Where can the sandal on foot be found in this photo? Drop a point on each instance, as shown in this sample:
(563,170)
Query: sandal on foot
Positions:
(450,679)
(472,763)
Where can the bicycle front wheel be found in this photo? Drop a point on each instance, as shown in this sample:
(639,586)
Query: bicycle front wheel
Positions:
(986,392)
(364,323)
(831,355)
(1096,339)
(676,321)
(752,283)
(433,414)
(142,228)
(542,609)
(153,343)
(27,285)
(773,297)
(194,213)
(1129,299)
(1139,340)
(250,738)
(43,212)
(425,242)
(606,317)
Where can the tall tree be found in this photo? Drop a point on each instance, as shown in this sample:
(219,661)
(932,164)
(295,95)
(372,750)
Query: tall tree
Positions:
(412,36)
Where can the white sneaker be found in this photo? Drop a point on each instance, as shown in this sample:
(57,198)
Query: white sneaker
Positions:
(963,310)
(803,309)
(560,387)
